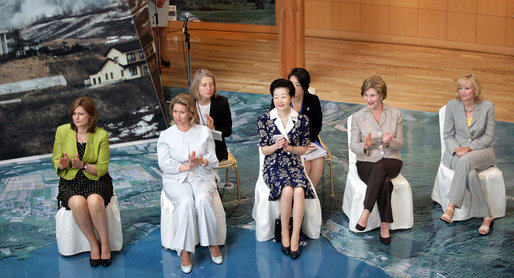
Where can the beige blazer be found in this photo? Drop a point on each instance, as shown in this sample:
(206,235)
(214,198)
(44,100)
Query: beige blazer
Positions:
(364,123)
(480,134)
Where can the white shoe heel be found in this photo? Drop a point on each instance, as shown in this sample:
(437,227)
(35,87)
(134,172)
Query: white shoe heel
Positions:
(186,268)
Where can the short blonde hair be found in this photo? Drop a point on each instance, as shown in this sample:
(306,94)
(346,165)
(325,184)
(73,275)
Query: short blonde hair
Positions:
(463,79)
(376,83)
(195,83)
(189,103)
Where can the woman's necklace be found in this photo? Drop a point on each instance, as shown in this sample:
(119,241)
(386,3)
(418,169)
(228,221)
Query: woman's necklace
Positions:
(469,111)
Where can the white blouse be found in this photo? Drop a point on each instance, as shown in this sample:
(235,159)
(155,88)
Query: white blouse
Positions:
(175,146)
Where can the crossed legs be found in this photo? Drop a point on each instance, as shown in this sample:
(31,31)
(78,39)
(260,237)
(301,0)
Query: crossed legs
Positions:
(90,215)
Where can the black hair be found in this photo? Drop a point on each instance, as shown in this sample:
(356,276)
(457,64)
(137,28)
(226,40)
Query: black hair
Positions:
(303,77)
(282,83)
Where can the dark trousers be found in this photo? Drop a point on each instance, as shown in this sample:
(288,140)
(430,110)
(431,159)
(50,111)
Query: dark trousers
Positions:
(377,176)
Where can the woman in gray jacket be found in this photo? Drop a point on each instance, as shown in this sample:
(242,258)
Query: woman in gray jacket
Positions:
(377,137)
(468,135)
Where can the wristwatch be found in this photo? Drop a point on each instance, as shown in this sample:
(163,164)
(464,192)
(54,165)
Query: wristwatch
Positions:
(84,167)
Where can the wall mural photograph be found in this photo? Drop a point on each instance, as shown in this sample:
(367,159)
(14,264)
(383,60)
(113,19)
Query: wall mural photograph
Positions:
(56,51)
(260,12)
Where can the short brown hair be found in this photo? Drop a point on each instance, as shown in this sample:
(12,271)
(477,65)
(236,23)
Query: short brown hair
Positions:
(463,79)
(376,83)
(90,108)
(195,83)
(189,103)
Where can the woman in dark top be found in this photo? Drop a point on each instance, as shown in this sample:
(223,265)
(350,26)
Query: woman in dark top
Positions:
(308,105)
(213,109)
(81,159)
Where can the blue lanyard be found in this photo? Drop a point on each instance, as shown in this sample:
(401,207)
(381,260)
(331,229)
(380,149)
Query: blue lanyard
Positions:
(200,113)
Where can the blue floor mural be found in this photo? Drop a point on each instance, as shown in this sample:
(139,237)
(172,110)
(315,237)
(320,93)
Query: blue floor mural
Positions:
(430,249)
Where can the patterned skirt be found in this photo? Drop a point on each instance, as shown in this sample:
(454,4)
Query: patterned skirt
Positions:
(83,186)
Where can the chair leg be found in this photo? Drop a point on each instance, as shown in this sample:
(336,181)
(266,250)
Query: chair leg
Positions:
(226,176)
(331,178)
(238,184)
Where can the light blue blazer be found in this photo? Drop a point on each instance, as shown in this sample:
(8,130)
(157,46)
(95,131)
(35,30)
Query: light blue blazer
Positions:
(479,135)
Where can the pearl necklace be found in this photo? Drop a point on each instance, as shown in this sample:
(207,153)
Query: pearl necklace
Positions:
(469,111)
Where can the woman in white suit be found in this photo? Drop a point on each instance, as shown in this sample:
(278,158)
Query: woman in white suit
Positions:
(187,156)
(469,135)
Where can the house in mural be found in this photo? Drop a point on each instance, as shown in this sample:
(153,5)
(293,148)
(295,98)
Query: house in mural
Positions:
(122,62)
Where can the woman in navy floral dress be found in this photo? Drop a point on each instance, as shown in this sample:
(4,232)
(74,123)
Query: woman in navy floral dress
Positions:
(283,138)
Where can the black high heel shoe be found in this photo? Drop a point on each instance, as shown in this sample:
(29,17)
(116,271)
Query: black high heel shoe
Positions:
(295,254)
(106,262)
(359,227)
(94,262)
(385,240)
(285,250)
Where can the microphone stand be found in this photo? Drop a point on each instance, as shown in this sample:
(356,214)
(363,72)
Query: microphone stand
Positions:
(188,50)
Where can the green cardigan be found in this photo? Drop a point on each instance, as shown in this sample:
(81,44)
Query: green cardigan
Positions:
(96,153)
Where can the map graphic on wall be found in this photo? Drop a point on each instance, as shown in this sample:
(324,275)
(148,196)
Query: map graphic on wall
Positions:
(259,12)
(55,51)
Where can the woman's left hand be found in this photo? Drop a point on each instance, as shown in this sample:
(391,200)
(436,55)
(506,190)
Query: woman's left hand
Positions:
(462,151)
(386,139)
(210,121)
(76,162)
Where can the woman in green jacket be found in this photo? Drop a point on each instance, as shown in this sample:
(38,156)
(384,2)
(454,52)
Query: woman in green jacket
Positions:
(81,159)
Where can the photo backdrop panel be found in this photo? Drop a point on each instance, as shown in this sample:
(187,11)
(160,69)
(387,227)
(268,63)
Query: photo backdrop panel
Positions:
(60,50)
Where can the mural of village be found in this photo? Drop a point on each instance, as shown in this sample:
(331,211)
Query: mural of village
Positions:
(47,61)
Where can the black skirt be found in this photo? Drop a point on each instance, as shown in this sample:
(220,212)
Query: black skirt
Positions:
(81,185)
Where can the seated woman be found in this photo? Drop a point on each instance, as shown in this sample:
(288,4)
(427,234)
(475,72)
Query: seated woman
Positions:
(377,137)
(81,159)
(186,157)
(213,110)
(283,138)
(308,105)
(469,135)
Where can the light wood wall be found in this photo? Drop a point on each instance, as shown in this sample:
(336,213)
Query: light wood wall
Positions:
(477,25)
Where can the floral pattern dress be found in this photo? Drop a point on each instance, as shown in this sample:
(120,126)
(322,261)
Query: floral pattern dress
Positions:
(283,168)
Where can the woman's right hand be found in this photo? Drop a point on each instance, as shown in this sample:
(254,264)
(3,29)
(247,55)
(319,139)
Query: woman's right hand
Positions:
(280,142)
(64,162)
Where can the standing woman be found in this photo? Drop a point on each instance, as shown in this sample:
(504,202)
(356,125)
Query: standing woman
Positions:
(186,156)
(81,159)
(283,138)
(469,135)
(308,105)
(377,137)
(213,110)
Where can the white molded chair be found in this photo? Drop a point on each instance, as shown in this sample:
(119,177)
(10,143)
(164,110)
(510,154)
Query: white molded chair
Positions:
(491,183)
(169,222)
(265,212)
(355,191)
(71,240)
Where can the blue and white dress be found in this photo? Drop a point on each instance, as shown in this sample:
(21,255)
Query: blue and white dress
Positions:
(284,168)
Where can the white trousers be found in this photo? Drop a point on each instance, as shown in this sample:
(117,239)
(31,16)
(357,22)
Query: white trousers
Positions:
(194,211)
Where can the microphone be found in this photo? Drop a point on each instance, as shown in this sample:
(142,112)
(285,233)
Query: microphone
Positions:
(184,27)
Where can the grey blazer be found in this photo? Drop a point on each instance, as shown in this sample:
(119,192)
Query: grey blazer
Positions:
(480,134)
(364,123)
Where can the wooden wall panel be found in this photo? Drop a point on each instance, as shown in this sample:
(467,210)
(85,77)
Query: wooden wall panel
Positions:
(461,27)
(509,33)
(375,19)
(376,2)
(432,24)
(440,5)
(491,29)
(510,8)
(404,3)
(318,14)
(346,16)
(462,6)
(403,21)
(492,7)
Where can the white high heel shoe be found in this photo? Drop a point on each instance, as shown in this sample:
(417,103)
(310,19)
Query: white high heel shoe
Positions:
(217,260)
(186,268)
